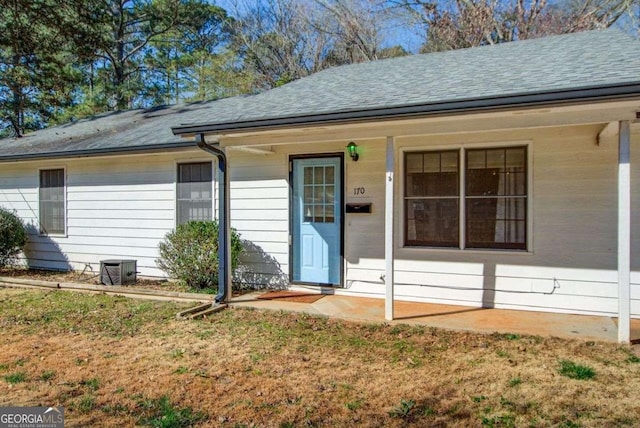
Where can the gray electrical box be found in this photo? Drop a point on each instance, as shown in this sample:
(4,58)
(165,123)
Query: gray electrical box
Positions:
(118,272)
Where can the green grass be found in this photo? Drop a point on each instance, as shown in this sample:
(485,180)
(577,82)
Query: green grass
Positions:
(402,410)
(515,381)
(634,359)
(86,403)
(576,371)
(177,353)
(354,405)
(115,409)
(507,420)
(92,384)
(161,413)
(502,353)
(47,375)
(16,377)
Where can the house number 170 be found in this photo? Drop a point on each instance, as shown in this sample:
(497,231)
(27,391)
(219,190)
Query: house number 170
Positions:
(358,190)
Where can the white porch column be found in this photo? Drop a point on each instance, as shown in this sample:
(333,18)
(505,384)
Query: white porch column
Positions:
(388,230)
(624,233)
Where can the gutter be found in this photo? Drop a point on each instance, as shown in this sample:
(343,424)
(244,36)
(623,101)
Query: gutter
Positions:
(472,105)
(106,151)
(224,217)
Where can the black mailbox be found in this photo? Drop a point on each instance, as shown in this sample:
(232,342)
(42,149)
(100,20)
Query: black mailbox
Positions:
(359,208)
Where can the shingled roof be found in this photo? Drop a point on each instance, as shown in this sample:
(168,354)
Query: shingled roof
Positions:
(545,69)
(580,66)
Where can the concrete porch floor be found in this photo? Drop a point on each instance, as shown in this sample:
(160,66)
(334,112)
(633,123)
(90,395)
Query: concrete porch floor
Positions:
(452,317)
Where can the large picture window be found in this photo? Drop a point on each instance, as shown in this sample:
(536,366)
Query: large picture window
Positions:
(52,204)
(494,198)
(194,192)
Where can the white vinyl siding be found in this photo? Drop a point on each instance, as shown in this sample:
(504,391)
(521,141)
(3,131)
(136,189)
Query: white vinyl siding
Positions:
(52,202)
(117,208)
(260,213)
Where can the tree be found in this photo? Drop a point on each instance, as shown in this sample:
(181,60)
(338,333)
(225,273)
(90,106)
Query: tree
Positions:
(468,23)
(354,27)
(126,28)
(203,65)
(276,44)
(38,60)
(283,40)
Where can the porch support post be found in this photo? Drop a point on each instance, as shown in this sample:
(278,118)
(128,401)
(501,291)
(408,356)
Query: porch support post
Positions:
(388,230)
(624,233)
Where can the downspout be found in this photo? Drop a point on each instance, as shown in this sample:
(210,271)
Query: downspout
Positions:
(224,230)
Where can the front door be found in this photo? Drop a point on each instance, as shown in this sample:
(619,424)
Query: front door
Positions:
(316,220)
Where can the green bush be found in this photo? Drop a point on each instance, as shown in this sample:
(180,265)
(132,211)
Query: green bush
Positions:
(12,236)
(190,253)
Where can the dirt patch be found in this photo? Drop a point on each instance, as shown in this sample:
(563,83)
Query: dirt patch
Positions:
(108,359)
(291,296)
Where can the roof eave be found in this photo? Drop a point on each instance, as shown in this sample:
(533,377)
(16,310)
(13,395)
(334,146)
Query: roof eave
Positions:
(156,148)
(572,96)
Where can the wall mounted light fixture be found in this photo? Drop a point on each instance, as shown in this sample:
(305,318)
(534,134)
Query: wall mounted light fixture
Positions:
(352,148)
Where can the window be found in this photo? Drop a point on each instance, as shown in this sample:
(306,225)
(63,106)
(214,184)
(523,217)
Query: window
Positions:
(194,193)
(319,194)
(51,196)
(494,198)
(432,195)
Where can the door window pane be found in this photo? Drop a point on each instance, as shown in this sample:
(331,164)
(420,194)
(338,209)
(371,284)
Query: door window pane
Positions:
(319,194)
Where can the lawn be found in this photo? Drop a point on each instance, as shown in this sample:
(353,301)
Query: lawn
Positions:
(113,361)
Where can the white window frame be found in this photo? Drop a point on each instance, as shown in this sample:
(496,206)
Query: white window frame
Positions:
(462,148)
(214,191)
(65,206)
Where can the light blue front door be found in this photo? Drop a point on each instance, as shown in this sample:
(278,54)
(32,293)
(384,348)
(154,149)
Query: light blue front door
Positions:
(316,220)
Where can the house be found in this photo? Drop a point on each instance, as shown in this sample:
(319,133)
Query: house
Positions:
(497,176)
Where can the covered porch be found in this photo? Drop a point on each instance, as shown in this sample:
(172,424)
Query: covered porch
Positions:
(452,317)
(612,124)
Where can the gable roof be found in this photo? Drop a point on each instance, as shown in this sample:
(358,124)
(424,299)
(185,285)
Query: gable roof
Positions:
(591,64)
(581,66)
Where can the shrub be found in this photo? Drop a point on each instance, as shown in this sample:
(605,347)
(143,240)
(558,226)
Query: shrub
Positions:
(190,253)
(12,236)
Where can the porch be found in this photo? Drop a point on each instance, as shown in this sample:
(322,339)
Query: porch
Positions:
(475,319)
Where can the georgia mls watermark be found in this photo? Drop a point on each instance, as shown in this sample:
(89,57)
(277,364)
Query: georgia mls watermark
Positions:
(31,417)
